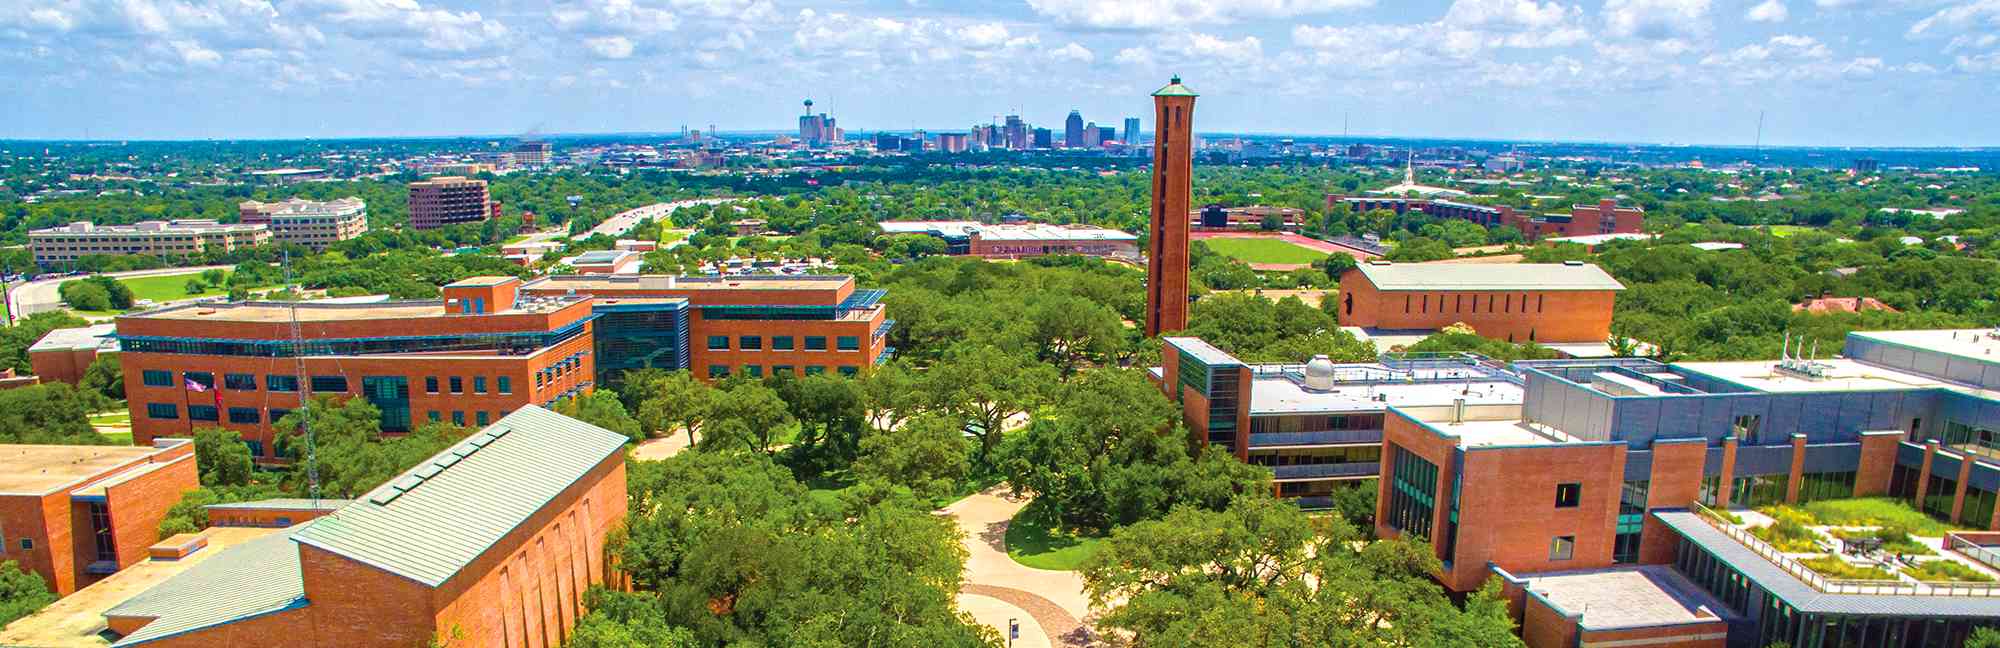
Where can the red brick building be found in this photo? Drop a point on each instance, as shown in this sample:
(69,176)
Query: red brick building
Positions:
(492,542)
(271,513)
(469,358)
(63,354)
(1173,187)
(1605,217)
(449,200)
(75,514)
(752,325)
(1560,302)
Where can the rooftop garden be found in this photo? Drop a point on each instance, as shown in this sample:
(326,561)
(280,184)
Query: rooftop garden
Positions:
(1876,512)
(1946,570)
(1834,567)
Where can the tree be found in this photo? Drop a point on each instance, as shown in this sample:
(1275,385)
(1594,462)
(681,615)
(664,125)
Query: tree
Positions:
(622,620)
(1419,249)
(730,547)
(104,376)
(831,419)
(352,455)
(1067,331)
(1110,450)
(1261,573)
(15,340)
(890,394)
(1983,638)
(987,386)
(602,409)
(1336,264)
(746,415)
(929,456)
(22,592)
(194,287)
(190,513)
(221,458)
(49,413)
(85,296)
(677,400)
(1270,223)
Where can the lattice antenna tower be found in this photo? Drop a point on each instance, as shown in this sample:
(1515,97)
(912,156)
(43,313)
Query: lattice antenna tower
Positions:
(299,374)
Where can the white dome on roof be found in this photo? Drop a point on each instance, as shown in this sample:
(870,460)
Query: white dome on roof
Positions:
(1319,373)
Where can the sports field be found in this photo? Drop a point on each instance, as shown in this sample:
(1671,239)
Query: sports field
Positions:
(1263,250)
(1782,231)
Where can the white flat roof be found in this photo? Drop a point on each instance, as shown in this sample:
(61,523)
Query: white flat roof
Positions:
(1842,375)
(1971,344)
(1595,239)
(1520,276)
(1276,395)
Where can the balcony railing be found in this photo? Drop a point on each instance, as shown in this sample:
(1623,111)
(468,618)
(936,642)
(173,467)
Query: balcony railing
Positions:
(1325,471)
(1314,438)
(1820,582)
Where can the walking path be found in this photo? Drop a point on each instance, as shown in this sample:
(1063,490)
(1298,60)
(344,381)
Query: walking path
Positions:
(1054,600)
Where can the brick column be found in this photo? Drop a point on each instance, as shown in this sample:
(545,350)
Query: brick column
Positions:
(1878,462)
(1964,478)
(1728,473)
(1924,473)
(1798,469)
(1675,481)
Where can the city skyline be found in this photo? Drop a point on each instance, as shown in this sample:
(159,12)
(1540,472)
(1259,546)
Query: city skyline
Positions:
(1823,72)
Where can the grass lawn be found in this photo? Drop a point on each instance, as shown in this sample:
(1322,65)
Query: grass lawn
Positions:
(1033,540)
(1263,250)
(166,288)
(111,418)
(671,235)
(1945,570)
(1788,230)
(1834,567)
(120,438)
(1877,511)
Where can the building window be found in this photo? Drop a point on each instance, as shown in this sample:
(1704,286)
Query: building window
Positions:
(27,544)
(243,415)
(430,384)
(1828,485)
(1562,548)
(506,384)
(815,343)
(457,417)
(718,343)
(436,416)
(481,417)
(1631,521)
(278,383)
(787,371)
(478,384)
(850,371)
(1568,495)
(457,385)
(848,343)
(753,371)
(1412,493)
(1745,427)
(203,378)
(750,343)
(814,370)
(1757,491)
(718,371)
(781,343)
(278,414)
(163,411)
(323,384)
(158,378)
(238,381)
(203,413)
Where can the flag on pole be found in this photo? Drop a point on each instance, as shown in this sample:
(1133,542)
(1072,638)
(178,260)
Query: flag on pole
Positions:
(196,386)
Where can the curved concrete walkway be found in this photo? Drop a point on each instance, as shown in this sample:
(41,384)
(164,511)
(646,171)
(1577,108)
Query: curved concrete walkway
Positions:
(1054,599)
(994,612)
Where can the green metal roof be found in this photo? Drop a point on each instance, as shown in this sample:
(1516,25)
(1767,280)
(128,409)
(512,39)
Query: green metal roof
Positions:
(1175,89)
(430,522)
(250,579)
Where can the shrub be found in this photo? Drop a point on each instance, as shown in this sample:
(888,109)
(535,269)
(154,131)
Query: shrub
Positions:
(1788,531)
(1946,570)
(1834,567)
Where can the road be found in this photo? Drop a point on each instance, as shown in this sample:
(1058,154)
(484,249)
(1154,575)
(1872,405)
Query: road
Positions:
(628,219)
(38,296)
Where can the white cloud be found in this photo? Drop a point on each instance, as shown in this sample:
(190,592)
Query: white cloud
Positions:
(194,53)
(1248,49)
(1161,14)
(1509,14)
(1657,20)
(1770,11)
(1134,56)
(611,47)
(1073,53)
(1963,16)
(612,17)
(981,35)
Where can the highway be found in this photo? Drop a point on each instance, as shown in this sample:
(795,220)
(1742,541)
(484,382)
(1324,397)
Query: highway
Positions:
(38,296)
(628,219)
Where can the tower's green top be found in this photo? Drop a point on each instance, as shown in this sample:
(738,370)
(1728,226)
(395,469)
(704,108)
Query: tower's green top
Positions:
(1175,89)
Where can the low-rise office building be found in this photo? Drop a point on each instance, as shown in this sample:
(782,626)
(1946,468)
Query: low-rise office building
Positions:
(1318,425)
(1016,240)
(75,514)
(1605,217)
(314,224)
(752,325)
(469,358)
(1609,468)
(175,238)
(1217,217)
(1553,304)
(491,542)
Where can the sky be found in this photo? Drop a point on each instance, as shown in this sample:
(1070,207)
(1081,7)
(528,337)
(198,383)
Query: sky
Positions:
(1822,72)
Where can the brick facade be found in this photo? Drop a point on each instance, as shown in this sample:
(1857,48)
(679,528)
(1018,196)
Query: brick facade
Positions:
(136,489)
(1167,246)
(1515,316)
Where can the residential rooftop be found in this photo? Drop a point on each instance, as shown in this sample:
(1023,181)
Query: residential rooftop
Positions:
(1626,597)
(95,336)
(42,469)
(1543,277)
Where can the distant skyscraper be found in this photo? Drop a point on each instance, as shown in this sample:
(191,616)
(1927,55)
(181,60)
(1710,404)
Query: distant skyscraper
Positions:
(1131,131)
(1106,134)
(1167,246)
(1044,138)
(1073,130)
(817,130)
(1017,133)
(1090,136)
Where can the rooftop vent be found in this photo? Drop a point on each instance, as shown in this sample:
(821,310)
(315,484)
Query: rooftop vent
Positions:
(1319,373)
(1573,263)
